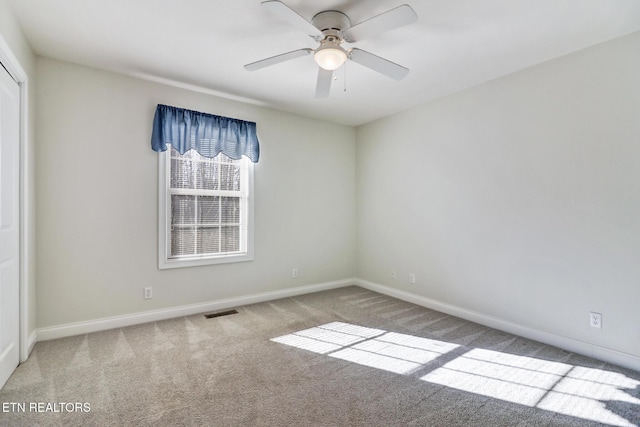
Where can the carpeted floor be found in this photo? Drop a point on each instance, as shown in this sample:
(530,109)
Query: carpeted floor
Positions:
(346,357)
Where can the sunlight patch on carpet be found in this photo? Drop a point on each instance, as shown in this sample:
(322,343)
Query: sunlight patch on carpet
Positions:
(376,348)
(559,387)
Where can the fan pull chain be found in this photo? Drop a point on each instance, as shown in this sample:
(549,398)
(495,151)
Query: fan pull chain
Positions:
(344,76)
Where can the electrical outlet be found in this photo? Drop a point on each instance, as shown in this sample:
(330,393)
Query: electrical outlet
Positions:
(412,278)
(595,320)
(294,273)
(148,293)
(393,274)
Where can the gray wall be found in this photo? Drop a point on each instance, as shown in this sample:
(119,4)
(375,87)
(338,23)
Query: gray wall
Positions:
(519,198)
(98,199)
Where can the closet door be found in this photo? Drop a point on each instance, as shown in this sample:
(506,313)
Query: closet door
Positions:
(9,224)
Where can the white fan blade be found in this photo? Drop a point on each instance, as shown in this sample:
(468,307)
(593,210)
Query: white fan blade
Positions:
(323,86)
(277,59)
(291,16)
(389,20)
(381,65)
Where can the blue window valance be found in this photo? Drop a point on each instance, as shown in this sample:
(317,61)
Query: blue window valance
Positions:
(207,134)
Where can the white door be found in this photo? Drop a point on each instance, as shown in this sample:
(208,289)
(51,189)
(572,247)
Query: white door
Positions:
(9,224)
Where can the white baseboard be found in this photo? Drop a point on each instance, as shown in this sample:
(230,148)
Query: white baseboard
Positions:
(78,328)
(597,352)
(601,353)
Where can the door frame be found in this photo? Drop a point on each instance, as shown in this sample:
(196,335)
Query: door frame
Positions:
(15,69)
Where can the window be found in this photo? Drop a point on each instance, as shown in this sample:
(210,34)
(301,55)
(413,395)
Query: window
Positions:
(205,187)
(205,209)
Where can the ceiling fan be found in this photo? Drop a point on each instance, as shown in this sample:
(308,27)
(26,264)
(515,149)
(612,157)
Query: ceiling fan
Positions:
(331,28)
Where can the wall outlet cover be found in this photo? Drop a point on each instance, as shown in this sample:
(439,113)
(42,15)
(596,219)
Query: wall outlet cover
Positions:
(595,320)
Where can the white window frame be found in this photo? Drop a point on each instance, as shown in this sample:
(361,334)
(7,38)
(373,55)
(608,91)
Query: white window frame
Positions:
(165,260)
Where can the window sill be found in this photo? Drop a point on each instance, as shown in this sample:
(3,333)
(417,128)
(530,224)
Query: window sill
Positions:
(200,261)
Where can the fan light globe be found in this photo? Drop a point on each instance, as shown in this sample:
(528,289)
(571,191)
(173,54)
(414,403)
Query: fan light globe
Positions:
(330,57)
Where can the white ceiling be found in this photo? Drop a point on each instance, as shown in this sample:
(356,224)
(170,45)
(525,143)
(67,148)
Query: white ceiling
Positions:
(454,45)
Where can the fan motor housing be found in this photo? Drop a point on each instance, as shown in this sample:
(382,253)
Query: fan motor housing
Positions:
(331,22)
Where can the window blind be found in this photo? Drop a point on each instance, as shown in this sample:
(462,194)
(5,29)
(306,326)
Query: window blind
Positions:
(207,205)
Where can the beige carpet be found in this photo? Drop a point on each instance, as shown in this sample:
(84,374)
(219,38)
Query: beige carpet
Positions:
(347,357)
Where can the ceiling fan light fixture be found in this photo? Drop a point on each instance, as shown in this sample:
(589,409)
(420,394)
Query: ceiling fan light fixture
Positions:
(330,56)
